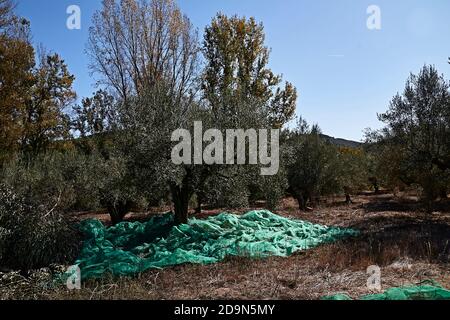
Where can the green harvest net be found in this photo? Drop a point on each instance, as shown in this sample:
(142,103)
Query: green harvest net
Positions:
(131,248)
(427,290)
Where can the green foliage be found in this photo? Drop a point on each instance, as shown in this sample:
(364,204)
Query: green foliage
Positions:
(76,181)
(270,189)
(311,164)
(352,170)
(148,122)
(117,187)
(155,80)
(415,145)
(384,162)
(50,178)
(274,189)
(96,115)
(317,168)
(227,188)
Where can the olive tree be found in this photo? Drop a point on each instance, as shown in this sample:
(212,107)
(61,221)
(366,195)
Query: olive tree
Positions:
(311,164)
(417,133)
(146,53)
(352,171)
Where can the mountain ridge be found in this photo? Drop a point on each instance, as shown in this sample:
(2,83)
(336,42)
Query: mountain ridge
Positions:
(341,142)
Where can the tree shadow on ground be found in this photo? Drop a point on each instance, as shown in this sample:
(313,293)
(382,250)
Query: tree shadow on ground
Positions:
(383,242)
(392,230)
(391,203)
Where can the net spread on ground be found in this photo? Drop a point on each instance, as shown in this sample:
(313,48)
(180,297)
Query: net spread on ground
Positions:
(427,290)
(130,248)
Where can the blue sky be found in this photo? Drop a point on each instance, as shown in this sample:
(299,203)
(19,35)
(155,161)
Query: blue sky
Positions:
(344,72)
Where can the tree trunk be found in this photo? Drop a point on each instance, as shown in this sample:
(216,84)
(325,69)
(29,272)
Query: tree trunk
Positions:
(302,201)
(180,200)
(377,188)
(198,210)
(348,199)
(119,210)
(180,197)
(375,185)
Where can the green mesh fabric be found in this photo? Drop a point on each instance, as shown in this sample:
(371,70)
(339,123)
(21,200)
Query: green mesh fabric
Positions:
(427,290)
(131,248)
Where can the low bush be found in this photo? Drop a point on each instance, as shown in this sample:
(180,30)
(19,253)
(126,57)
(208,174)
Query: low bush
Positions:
(33,235)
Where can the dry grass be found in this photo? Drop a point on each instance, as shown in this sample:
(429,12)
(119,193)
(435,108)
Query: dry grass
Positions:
(408,245)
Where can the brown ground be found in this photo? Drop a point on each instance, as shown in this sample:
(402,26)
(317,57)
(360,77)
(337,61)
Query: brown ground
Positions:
(409,246)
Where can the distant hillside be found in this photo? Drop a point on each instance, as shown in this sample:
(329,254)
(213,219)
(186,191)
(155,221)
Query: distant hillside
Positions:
(342,142)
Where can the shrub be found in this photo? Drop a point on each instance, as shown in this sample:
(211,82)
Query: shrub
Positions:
(76,181)
(274,188)
(48,178)
(33,236)
(270,189)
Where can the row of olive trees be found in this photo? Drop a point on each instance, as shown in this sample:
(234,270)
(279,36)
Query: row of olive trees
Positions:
(113,150)
(157,77)
(314,167)
(147,56)
(234,89)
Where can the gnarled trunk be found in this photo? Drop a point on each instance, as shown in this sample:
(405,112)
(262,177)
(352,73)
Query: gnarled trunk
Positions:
(348,198)
(180,197)
(302,199)
(119,210)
